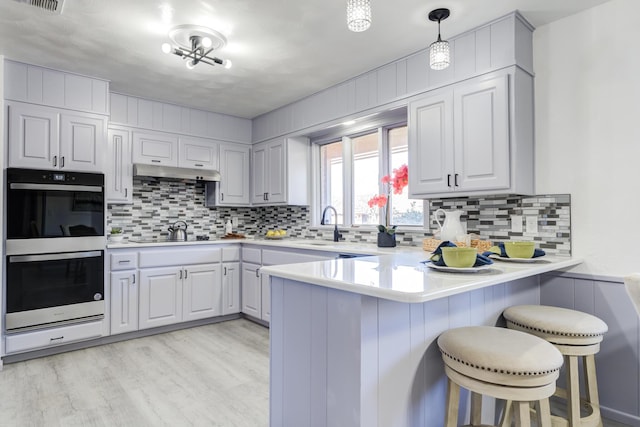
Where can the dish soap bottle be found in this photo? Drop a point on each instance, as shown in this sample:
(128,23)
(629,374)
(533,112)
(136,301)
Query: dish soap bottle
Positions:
(228,228)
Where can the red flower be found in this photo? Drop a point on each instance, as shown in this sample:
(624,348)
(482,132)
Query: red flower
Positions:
(379,201)
(398,182)
(386,179)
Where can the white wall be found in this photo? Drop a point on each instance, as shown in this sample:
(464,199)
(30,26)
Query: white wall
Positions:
(588,130)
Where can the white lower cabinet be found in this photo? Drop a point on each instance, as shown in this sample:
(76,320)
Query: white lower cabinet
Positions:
(231,288)
(124,301)
(160,297)
(202,292)
(251,290)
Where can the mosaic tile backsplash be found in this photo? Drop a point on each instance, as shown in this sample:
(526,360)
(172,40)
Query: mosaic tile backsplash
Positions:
(158,203)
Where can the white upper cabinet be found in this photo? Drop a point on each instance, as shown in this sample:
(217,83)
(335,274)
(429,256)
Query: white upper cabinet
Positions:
(280,172)
(33,136)
(155,148)
(46,138)
(473,138)
(197,153)
(119,174)
(234,175)
(82,141)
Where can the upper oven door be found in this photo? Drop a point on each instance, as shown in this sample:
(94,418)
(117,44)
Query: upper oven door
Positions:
(46,205)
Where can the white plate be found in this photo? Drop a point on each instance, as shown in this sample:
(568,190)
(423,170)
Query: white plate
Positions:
(521,260)
(458,270)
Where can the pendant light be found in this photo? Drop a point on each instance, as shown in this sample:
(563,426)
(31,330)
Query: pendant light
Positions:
(439,57)
(358,15)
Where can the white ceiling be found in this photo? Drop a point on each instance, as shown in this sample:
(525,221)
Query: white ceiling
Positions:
(282,50)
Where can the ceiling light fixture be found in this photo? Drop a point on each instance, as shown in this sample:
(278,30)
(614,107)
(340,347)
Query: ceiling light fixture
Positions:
(439,57)
(358,15)
(194,43)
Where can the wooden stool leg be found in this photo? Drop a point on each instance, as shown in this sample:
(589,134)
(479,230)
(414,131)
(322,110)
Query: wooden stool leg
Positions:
(453,403)
(591,386)
(573,391)
(523,416)
(543,413)
(505,420)
(476,409)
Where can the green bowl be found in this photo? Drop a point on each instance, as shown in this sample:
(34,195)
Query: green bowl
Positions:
(519,249)
(459,257)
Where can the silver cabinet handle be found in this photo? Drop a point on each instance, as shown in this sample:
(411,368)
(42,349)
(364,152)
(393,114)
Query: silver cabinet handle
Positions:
(124,261)
(56,339)
(55,161)
(155,161)
(185,273)
(125,192)
(133,282)
(221,196)
(62,161)
(199,165)
(257,274)
(180,274)
(225,271)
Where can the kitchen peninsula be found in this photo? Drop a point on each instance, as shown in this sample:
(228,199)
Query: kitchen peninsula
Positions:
(353,340)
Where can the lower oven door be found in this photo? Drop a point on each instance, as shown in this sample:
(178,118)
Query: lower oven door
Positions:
(46,289)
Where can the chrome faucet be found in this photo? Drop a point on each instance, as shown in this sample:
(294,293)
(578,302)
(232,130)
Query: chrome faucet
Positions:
(336,233)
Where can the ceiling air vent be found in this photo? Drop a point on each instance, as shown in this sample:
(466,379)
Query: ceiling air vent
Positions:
(54,6)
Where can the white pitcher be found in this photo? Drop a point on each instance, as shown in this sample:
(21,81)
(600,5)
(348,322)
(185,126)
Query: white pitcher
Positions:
(452,228)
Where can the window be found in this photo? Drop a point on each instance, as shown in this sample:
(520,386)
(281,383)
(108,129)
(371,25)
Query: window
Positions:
(350,172)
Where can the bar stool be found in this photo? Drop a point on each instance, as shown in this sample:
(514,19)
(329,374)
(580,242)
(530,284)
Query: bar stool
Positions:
(575,334)
(500,363)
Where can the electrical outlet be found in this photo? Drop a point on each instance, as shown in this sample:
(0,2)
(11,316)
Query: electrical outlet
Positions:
(234,221)
(516,223)
(532,224)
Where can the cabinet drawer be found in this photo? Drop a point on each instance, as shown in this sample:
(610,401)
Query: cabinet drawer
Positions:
(231,253)
(52,337)
(178,256)
(252,255)
(270,257)
(124,261)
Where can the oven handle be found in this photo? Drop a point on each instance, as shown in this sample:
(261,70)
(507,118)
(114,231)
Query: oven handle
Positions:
(55,187)
(54,257)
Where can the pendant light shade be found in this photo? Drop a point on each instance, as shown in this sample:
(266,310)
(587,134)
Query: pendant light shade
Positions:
(439,55)
(358,15)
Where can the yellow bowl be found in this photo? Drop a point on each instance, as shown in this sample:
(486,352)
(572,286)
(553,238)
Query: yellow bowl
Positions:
(519,249)
(459,257)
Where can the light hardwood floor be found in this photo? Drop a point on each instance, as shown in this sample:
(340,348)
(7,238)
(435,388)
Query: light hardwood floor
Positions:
(214,375)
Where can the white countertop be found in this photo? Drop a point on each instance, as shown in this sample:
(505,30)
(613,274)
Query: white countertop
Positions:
(401,277)
(390,273)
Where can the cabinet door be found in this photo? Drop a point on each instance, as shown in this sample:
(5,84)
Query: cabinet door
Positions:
(276,172)
(234,175)
(160,297)
(482,135)
(251,290)
(33,136)
(124,302)
(259,165)
(155,149)
(119,176)
(82,142)
(202,291)
(197,153)
(230,287)
(431,145)
(265,285)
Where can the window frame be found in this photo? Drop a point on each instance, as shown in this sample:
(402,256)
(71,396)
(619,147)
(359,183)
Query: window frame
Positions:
(384,165)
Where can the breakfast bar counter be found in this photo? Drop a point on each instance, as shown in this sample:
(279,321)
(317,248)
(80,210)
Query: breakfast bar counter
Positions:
(353,340)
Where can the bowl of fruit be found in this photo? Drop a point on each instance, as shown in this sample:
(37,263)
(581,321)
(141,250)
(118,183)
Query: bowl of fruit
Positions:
(276,234)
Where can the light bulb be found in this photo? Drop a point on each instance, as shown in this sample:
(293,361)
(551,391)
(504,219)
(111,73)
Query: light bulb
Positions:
(166,47)
(190,65)
(206,42)
(227,64)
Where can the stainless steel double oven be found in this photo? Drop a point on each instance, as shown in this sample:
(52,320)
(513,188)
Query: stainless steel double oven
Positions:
(55,248)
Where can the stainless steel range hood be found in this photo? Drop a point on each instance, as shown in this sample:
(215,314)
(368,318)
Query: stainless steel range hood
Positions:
(160,171)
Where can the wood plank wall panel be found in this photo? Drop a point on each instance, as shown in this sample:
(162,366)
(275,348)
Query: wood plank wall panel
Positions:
(339,338)
(617,363)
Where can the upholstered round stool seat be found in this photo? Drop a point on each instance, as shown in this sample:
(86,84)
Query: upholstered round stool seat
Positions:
(556,325)
(501,363)
(575,334)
